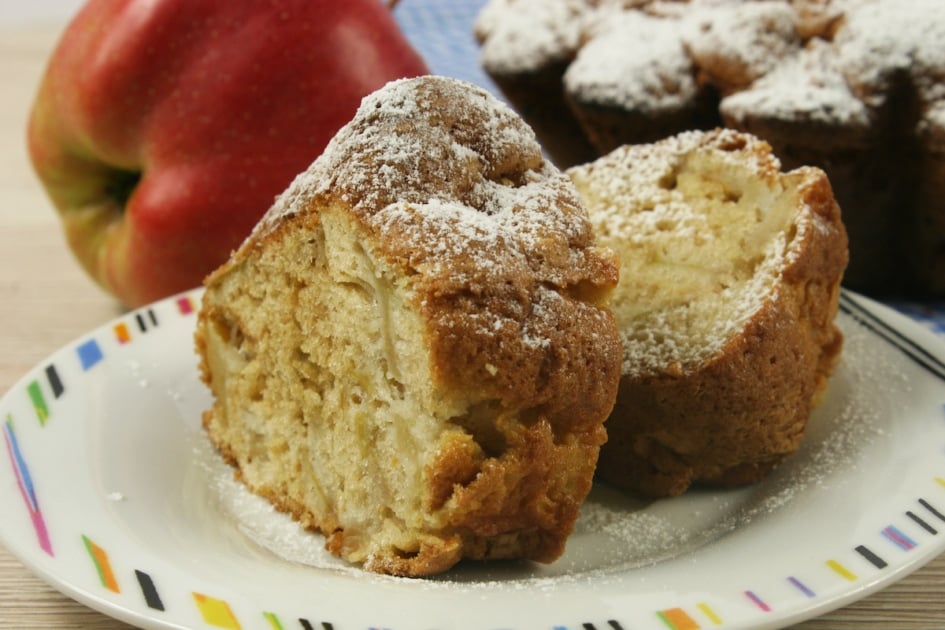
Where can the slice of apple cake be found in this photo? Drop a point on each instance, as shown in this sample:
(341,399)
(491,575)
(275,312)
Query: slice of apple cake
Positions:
(412,353)
(729,281)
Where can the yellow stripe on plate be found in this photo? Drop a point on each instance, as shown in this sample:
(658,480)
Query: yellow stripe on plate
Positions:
(216,612)
(844,572)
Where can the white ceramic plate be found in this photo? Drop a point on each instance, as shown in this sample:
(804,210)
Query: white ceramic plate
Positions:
(109,491)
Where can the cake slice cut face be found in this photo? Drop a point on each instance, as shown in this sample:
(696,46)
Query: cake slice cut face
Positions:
(412,354)
(728,290)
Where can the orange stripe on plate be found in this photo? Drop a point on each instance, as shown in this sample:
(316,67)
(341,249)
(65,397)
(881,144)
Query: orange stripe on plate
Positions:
(102,565)
(121,333)
(677,619)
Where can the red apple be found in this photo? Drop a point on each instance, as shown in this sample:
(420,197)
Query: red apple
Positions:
(163,129)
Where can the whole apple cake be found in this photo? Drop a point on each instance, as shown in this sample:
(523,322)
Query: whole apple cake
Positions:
(411,353)
(854,87)
(728,291)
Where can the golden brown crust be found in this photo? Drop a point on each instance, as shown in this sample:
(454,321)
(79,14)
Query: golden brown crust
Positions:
(730,421)
(443,199)
(730,417)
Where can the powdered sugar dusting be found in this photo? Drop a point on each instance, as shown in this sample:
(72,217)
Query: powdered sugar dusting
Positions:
(737,43)
(884,38)
(449,168)
(251,518)
(806,86)
(843,57)
(633,200)
(633,44)
(522,35)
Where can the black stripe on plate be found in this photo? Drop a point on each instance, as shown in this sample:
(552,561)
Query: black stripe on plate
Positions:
(55,383)
(922,523)
(149,591)
(875,560)
(873,323)
(931,509)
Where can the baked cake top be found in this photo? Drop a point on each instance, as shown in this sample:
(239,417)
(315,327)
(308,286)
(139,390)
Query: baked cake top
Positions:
(709,228)
(829,60)
(468,189)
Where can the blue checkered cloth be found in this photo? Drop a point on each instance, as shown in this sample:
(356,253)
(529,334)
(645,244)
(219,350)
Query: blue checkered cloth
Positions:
(442,32)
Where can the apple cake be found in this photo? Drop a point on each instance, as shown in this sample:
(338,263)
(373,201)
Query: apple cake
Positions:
(729,286)
(854,87)
(412,353)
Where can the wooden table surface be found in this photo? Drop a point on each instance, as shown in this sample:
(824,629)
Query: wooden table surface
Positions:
(47,302)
